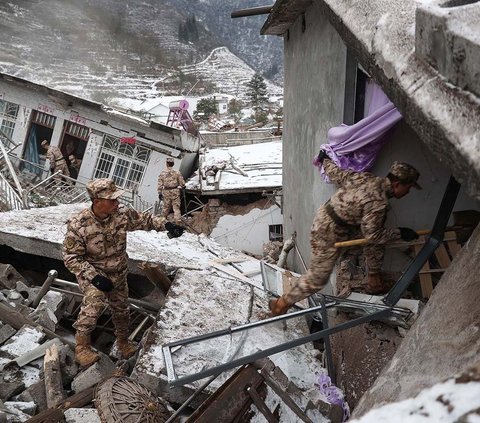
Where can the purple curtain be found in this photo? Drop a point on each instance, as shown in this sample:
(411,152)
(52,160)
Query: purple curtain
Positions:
(355,147)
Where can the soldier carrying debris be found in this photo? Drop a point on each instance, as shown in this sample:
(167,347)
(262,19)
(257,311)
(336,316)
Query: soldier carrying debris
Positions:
(55,156)
(170,182)
(360,204)
(94,250)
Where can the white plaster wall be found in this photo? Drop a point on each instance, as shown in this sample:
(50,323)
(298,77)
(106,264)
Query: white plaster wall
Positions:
(314,98)
(313,103)
(248,232)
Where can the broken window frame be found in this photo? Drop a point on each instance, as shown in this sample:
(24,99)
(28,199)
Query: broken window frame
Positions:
(373,311)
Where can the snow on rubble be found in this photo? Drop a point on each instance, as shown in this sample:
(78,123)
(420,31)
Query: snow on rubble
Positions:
(206,295)
(252,166)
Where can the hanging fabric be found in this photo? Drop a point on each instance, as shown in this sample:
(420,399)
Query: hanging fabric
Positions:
(355,147)
(31,152)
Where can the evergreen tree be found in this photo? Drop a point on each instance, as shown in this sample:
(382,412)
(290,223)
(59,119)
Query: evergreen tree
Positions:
(206,107)
(235,110)
(257,92)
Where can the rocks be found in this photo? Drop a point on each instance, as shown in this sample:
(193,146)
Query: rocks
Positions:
(9,276)
(6,332)
(82,415)
(98,371)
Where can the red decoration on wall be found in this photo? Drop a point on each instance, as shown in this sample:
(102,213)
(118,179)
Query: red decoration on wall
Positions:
(128,140)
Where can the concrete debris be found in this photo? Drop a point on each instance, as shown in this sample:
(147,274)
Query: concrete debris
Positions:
(69,366)
(9,276)
(26,339)
(97,372)
(28,293)
(82,415)
(35,393)
(15,415)
(6,332)
(27,407)
(49,310)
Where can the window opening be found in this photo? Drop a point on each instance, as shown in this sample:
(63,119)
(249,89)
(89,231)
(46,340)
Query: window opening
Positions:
(275,232)
(8,118)
(124,163)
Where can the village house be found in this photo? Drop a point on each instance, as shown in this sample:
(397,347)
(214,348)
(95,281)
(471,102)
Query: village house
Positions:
(424,56)
(238,189)
(109,143)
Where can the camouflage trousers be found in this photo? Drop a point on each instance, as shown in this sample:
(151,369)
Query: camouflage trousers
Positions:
(171,199)
(95,301)
(324,234)
(62,166)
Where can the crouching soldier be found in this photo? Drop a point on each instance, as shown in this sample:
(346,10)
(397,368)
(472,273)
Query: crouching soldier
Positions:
(359,205)
(94,250)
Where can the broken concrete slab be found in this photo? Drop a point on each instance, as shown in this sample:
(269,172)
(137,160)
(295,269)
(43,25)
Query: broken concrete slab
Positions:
(25,340)
(9,388)
(69,366)
(46,235)
(9,276)
(49,310)
(35,393)
(97,372)
(6,332)
(81,415)
(26,407)
(15,415)
(199,303)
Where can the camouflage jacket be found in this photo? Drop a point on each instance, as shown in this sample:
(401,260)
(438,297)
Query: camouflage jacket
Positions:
(170,178)
(54,155)
(94,246)
(362,201)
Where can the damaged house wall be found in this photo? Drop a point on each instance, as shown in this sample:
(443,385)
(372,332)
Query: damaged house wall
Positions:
(156,142)
(315,57)
(320,47)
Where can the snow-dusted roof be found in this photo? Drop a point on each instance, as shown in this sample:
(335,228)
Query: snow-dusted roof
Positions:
(245,168)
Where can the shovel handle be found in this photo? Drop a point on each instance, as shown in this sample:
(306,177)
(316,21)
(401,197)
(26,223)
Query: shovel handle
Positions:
(364,241)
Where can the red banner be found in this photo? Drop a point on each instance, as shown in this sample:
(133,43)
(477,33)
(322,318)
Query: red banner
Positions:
(128,140)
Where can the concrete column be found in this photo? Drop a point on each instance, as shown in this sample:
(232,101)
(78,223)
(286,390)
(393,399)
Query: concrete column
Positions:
(20,132)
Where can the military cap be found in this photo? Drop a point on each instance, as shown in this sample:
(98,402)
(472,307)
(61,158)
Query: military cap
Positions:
(103,188)
(405,173)
(170,160)
(44,143)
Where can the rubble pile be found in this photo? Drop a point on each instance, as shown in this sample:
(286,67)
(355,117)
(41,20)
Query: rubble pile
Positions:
(38,373)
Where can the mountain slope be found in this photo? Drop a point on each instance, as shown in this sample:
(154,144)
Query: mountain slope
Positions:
(108,48)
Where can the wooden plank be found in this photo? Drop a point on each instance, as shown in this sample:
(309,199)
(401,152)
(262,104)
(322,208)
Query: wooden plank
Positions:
(442,256)
(53,377)
(453,246)
(426,284)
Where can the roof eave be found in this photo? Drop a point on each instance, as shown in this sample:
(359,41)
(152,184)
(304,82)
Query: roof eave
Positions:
(283,14)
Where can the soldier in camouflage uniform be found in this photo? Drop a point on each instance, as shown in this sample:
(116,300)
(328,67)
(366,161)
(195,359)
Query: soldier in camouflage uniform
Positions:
(55,156)
(170,182)
(359,205)
(94,250)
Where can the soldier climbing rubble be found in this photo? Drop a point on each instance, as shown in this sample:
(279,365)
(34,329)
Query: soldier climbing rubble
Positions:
(360,204)
(94,250)
(55,156)
(170,182)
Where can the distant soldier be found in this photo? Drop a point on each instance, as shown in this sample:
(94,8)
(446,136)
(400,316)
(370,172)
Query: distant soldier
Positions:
(359,205)
(94,250)
(55,156)
(170,182)
(75,165)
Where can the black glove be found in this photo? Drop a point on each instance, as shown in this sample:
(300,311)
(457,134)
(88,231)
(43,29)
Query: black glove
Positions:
(408,234)
(321,156)
(102,283)
(174,231)
(160,196)
(52,170)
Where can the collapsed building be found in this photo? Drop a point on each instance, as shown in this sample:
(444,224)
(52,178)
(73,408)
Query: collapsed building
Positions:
(238,193)
(106,142)
(424,57)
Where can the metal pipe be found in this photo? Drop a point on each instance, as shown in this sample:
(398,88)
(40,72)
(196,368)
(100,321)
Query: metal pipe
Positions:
(261,10)
(52,274)
(140,303)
